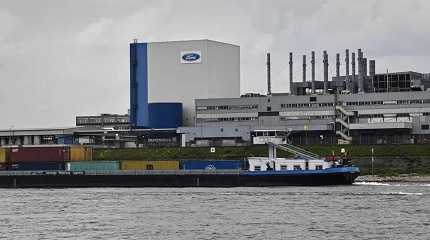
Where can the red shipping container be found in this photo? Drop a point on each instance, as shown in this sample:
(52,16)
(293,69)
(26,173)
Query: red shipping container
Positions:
(39,154)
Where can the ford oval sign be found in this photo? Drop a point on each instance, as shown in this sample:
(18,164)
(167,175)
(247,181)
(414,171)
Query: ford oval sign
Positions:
(191,57)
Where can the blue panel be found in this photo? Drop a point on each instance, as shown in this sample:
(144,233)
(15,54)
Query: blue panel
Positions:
(139,84)
(165,115)
(36,166)
(67,139)
(211,164)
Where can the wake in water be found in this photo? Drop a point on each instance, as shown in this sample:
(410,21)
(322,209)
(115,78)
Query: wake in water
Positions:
(371,183)
(402,193)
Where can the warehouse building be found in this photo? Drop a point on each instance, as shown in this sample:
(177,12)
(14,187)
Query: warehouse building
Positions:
(170,75)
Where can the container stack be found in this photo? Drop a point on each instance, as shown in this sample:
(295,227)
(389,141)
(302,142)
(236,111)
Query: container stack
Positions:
(80,158)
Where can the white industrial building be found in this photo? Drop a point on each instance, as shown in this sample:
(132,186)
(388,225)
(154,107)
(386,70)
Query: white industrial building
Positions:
(181,71)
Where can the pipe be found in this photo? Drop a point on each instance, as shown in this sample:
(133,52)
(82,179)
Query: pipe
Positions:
(325,61)
(269,87)
(291,73)
(304,68)
(313,70)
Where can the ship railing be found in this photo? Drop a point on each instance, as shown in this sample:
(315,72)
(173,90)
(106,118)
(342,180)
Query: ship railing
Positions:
(296,151)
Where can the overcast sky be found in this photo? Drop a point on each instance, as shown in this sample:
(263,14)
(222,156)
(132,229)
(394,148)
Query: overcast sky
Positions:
(59,59)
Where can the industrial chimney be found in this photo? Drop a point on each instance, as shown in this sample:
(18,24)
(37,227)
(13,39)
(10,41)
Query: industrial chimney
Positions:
(269,88)
(353,80)
(337,66)
(325,61)
(291,73)
(304,68)
(348,78)
(313,71)
(372,71)
(360,70)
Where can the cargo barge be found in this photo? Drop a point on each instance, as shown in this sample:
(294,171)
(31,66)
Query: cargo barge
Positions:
(306,169)
(177,178)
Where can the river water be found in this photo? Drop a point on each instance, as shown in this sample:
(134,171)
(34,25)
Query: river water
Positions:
(360,211)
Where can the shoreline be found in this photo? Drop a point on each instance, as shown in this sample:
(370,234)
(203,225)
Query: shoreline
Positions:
(400,178)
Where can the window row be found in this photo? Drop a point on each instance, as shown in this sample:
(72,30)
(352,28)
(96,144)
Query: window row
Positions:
(306,105)
(228,107)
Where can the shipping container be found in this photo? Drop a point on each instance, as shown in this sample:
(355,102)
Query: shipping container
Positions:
(81,153)
(211,164)
(36,166)
(150,165)
(39,154)
(93,166)
(3,155)
(3,166)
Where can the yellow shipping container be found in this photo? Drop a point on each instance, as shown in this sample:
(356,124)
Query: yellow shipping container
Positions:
(81,153)
(149,165)
(3,152)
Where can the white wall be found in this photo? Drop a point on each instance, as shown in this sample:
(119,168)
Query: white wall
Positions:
(169,80)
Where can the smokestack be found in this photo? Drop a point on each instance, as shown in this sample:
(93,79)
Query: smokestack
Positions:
(354,80)
(360,70)
(325,61)
(304,68)
(291,73)
(313,71)
(269,88)
(365,66)
(348,78)
(372,71)
(337,65)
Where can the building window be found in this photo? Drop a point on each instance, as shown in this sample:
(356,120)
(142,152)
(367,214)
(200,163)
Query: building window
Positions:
(313,99)
(318,167)
(257,168)
(425,127)
(284,167)
(297,167)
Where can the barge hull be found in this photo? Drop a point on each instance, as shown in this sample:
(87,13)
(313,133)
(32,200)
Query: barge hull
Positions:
(173,180)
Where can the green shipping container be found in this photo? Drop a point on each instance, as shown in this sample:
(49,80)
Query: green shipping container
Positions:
(93,166)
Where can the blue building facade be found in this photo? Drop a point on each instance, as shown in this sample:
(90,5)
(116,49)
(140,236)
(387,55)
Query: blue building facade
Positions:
(165,115)
(139,116)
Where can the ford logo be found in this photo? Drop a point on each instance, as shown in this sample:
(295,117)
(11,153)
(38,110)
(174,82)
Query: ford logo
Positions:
(190,57)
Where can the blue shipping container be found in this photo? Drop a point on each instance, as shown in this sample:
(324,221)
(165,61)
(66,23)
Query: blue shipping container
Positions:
(34,166)
(211,164)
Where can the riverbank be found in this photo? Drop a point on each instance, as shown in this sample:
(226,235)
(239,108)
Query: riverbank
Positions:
(400,178)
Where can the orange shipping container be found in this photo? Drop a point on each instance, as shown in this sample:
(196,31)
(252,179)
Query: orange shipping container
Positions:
(3,153)
(80,153)
(149,165)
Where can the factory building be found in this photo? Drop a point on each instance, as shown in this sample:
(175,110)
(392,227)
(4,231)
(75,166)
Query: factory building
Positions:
(168,74)
(367,108)
(369,118)
(111,121)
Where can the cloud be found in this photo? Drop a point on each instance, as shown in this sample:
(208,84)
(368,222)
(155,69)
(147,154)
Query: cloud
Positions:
(58,60)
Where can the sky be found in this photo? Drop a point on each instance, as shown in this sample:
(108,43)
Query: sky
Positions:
(60,59)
